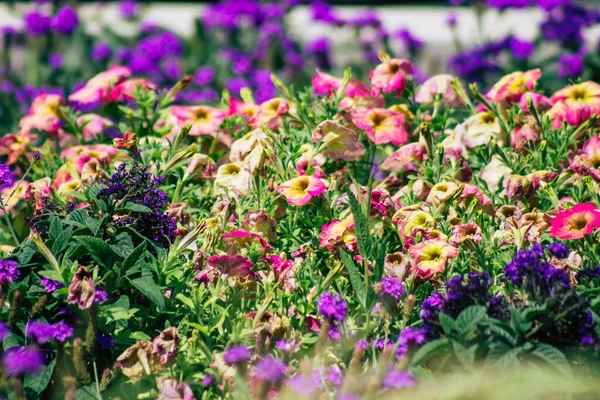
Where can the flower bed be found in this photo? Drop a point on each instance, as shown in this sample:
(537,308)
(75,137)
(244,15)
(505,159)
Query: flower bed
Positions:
(354,238)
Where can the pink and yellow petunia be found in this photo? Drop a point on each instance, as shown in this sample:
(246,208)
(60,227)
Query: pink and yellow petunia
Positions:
(338,232)
(339,142)
(299,191)
(125,90)
(390,77)
(430,257)
(43,114)
(438,85)
(270,113)
(587,161)
(583,219)
(204,120)
(511,87)
(586,92)
(382,126)
(98,89)
(16,145)
(404,158)
(93,126)
(325,84)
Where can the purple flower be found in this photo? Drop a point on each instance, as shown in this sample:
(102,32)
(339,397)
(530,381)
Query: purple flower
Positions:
(570,65)
(285,346)
(56,61)
(207,380)
(392,287)
(23,360)
(234,85)
(42,332)
(362,344)
(62,331)
(332,306)
(7,179)
(65,21)
(451,19)
(204,75)
(101,52)
(521,49)
(236,355)
(270,369)
(410,42)
(105,341)
(320,49)
(101,296)
(398,379)
(51,285)
(504,4)
(128,9)
(565,24)
(3,331)
(36,23)
(559,250)
(9,272)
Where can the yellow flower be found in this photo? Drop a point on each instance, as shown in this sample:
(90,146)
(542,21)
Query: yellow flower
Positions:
(232,178)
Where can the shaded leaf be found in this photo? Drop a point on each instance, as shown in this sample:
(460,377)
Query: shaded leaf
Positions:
(150,290)
(355,277)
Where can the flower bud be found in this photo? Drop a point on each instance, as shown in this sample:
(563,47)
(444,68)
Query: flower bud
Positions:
(517,186)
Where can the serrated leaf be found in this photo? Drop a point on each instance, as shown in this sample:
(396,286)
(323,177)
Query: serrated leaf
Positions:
(447,323)
(361,226)
(430,350)
(62,241)
(37,383)
(355,277)
(94,225)
(87,392)
(26,252)
(55,228)
(134,257)
(135,207)
(77,218)
(469,318)
(552,356)
(150,290)
(99,250)
(124,245)
(466,355)
(503,356)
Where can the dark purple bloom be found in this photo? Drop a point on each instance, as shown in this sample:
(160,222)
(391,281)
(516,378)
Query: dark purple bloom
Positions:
(570,65)
(105,341)
(62,331)
(7,179)
(51,285)
(398,379)
(549,5)
(101,52)
(565,24)
(521,49)
(101,296)
(236,355)
(504,4)
(321,11)
(320,50)
(392,287)
(65,21)
(332,306)
(9,272)
(270,369)
(36,23)
(23,360)
(56,61)
(559,250)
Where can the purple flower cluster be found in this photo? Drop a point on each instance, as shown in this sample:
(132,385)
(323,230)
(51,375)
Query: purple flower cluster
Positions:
(43,332)
(333,307)
(156,55)
(105,341)
(565,24)
(7,179)
(136,185)
(51,285)
(270,369)
(236,355)
(9,272)
(479,63)
(398,379)
(19,361)
(392,287)
(65,21)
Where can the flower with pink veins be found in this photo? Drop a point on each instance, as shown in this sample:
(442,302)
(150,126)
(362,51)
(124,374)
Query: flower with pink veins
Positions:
(232,265)
(98,89)
(43,114)
(338,232)
(270,113)
(125,90)
(430,257)
(390,77)
(241,239)
(581,220)
(586,92)
(403,159)
(438,85)
(299,191)
(382,126)
(587,161)
(204,120)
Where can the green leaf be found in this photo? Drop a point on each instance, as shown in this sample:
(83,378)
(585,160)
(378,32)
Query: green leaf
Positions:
(52,274)
(87,392)
(26,252)
(55,228)
(37,383)
(469,318)
(62,241)
(139,336)
(134,207)
(99,250)
(552,356)
(124,245)
(466,355)
(151,290)
(361,226)
(77,218)
(503,356)
(94,225)
(134,257)
(430,350)
(447,323)
(355,277)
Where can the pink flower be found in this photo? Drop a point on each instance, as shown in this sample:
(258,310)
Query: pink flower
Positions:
(325,84)
(280,266)
(587,161)
(204,120)
(124,91)
(170,389)
(430,257)
(299,191)
(511,87)
(586,92)
(93,126)
(466,232)
(403,158)
(16,145)
(98,89)
(43,114)
(340,143)
(270,113)
(573,114)
(382,126)
(581,220)
(242,239)
(539,101)
(390,76)
(233,266)
(338,232)
(438,85)
(246,110)
(521,136)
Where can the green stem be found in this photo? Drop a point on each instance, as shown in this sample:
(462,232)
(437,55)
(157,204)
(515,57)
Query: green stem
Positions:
(9,224)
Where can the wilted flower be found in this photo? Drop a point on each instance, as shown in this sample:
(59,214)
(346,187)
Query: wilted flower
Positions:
(587,161)
(583,219)
(82,290)
(232,266)
(164,346)
(390,77)
(170,389)
(339,143)
(299,191)
(430,257)
(517,186)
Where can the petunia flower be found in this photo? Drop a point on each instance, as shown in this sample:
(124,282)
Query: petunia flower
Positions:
(16,145)
(204,120)
(82,290)
(587,161)
(338,232)
(382,126)
(438,85)
(125,90)
(270,113)
(586,92)
(403,159)
(339,142)
(232,178)
(325,84)
(241,239)
(93,126)
(390,77)
(430,257)
(583,219)
(231,265)
(98,89)
(43,114)
(299,191)
(511,87)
